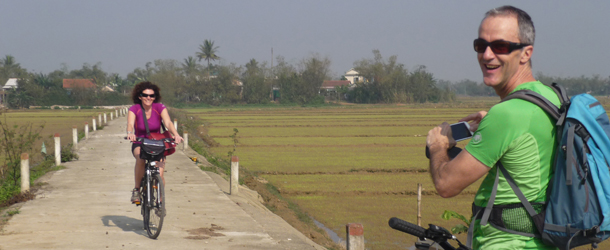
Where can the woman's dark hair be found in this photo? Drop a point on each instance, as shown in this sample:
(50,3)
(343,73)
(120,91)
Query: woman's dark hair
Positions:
(140,87)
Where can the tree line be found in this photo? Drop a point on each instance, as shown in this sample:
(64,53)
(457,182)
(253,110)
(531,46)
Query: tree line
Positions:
(595,85)
(191,83)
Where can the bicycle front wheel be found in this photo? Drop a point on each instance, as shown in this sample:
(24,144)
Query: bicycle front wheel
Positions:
(155,210)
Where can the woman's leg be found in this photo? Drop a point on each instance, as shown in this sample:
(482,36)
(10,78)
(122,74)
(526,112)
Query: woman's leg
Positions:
(139,168)
(161,166)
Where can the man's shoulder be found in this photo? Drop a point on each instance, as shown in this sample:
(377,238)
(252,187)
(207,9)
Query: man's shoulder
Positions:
(519,106)
(540,88)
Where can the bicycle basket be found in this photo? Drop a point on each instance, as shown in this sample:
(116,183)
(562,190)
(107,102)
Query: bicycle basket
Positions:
(152,150)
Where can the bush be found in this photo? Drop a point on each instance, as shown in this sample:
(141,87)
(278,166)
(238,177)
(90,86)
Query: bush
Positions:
(68,154)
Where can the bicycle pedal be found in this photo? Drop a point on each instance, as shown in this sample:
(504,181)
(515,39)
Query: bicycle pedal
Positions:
(137,203)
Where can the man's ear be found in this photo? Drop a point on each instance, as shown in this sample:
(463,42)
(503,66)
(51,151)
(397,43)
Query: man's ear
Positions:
(526,54)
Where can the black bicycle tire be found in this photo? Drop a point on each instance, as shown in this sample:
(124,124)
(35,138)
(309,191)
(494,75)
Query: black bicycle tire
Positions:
(154,226)
(144,203)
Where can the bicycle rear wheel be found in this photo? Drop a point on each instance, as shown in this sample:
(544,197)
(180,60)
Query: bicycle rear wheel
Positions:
(154,211)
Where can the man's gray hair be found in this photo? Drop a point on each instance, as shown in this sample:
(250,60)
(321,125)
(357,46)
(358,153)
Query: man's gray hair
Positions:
(527,33)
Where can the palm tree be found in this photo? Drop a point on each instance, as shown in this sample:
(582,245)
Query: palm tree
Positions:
(9,66)
(189,66)
(207,51)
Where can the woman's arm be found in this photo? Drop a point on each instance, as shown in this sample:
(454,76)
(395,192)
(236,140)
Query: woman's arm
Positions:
(170,125)
(131,120)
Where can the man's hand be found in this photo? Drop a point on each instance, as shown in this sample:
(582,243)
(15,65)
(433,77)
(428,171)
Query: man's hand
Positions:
(440,138)
(474,120)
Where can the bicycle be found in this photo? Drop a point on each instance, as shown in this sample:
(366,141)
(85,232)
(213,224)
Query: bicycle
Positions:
(152,189)
(435,233)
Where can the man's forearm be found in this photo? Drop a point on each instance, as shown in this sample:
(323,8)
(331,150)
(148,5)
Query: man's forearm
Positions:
(438,161)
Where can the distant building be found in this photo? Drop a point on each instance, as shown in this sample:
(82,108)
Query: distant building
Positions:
(330,85)
(10,84)
(353,76)
(107,89)
(78,83)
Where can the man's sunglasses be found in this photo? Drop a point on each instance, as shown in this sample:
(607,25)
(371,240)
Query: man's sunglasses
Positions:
(145,95)
(498,46)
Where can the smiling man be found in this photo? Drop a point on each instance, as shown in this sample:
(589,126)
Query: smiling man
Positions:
(516,134)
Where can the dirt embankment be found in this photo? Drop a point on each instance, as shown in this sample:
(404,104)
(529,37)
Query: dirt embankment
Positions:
(290,213)
(272,198)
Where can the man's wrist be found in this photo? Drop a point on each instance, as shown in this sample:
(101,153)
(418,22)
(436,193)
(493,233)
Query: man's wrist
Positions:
(129,132)
(437,147)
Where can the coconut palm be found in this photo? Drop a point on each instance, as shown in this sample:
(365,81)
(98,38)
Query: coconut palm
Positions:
(207,51)
(9,66)
(189,65)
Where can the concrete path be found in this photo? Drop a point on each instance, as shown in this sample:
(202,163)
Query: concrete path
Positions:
(86,206)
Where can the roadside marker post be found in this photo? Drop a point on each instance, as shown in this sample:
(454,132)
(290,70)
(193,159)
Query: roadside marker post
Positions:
(74,137)
(57,149)
(234,175)
(185,144)
(25,173)
(355,236)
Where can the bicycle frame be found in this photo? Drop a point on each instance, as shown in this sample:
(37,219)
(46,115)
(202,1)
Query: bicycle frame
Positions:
(151,170)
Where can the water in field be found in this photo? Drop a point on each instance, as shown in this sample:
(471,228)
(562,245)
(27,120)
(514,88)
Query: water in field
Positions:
(330,233)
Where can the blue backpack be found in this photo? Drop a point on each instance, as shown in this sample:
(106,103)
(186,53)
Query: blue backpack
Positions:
(578,206)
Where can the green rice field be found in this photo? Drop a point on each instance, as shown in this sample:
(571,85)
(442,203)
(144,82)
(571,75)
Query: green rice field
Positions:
(56,121)
(347,164)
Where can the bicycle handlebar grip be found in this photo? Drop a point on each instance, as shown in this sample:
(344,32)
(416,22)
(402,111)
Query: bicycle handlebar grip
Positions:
(407,227)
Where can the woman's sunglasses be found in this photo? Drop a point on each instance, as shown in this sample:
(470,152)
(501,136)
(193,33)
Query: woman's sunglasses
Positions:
(498,46)
(145,95)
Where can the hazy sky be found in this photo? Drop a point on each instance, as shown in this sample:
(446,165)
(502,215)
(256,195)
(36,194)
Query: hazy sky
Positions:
(572,37)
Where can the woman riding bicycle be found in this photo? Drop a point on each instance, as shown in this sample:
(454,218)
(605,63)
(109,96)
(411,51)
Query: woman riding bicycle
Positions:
(147,95)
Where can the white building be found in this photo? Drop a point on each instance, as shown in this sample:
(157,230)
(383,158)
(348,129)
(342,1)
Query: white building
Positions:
(10,84)
(353,76)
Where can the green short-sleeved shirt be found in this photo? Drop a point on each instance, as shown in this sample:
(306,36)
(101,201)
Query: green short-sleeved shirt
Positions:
(521,136)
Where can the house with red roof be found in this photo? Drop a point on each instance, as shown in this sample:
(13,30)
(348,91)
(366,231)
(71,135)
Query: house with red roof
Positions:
(78,83)
(330,85)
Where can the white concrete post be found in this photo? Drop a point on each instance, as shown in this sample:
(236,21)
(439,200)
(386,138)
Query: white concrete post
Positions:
(355,236)
(25,173)
(74,138)
(105,120)
(57,150)
(111,114)
(116,113)
(235,175)
(185,143)
(419,188)
(99,119)
(86,131)
(93,124)
(176,124)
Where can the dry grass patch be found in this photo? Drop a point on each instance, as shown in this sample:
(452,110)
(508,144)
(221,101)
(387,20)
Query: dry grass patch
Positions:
(373,212)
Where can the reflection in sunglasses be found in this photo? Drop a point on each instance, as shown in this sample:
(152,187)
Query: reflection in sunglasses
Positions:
(498,46)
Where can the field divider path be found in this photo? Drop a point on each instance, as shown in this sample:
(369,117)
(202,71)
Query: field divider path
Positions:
(86,206)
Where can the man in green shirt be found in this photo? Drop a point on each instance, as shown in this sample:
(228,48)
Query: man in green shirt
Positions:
(516,133)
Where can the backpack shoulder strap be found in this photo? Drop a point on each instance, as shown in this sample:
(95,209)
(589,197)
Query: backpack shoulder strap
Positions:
(537,99)
(145,120)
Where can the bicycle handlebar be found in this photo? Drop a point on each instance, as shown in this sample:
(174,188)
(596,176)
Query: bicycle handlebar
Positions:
(407,227)
(434,233)
(140,139)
